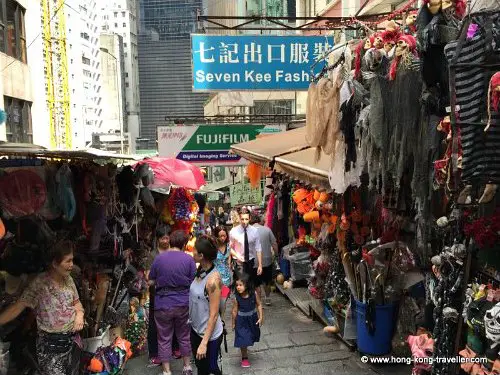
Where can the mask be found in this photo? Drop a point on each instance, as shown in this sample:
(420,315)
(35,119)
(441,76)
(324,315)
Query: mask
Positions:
(410,20)
(388,46)
(492,324)
(379,43)
(368,44)
(401,48)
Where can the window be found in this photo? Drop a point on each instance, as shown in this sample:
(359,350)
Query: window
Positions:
(116,14)
(18,123)
(116,25)
(85,60)
(125,54)
(123,14)
(12,30)
(124,24)
(272,107)
(126,75)
(125,45)
(126,84)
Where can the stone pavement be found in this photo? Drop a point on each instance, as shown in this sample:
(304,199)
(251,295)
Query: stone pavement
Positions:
(291,344)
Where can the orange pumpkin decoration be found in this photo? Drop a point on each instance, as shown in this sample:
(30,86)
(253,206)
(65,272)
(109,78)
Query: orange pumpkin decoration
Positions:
(316,195)
(304,200)
(96,366)
(323,197)
(311,216)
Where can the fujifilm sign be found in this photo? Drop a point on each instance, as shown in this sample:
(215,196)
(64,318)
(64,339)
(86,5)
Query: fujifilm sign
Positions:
(209,144)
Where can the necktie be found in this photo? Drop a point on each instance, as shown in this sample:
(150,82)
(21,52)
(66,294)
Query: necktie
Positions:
(246,247)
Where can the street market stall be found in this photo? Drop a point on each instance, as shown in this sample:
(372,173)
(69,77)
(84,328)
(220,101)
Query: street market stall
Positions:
(106,210)
(391,216)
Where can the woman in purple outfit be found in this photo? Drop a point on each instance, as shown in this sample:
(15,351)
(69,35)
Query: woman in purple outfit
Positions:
(172,274)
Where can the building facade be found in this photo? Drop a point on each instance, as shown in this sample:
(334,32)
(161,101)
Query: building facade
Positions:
(64,39)
(165,64)
(114,114)
(15,78)
(120,17)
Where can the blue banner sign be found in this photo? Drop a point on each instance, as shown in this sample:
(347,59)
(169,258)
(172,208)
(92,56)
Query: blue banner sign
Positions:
(255,62)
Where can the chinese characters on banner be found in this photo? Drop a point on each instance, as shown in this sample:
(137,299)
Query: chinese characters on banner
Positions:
(257,62)
(244,193)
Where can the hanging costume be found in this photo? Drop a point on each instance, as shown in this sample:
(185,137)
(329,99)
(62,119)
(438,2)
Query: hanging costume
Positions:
(481,151)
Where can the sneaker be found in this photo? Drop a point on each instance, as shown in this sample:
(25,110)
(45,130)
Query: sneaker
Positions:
(267,301)
(245,363)
(187,371)
(153,362)
(177,354)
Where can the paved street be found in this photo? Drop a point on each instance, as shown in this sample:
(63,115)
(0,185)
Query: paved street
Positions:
(291,344)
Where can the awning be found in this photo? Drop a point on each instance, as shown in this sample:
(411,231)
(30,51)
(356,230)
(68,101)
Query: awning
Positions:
(263,150)
(35,151)
(301,165)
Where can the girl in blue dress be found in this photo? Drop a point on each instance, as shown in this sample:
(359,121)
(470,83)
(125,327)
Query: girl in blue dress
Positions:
(247,317)
(223,265)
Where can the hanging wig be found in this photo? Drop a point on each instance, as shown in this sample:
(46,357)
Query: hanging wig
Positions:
(391,35)
(359,53)
(493,96)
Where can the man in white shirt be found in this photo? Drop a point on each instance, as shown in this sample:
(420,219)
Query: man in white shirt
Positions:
(269,247)
(244,242)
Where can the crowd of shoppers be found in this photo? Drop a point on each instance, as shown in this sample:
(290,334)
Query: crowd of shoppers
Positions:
(187,303)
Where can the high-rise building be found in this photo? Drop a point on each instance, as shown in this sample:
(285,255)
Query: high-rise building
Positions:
(119,17)
(165,64)
(64,39)
(112,69)
(15,77)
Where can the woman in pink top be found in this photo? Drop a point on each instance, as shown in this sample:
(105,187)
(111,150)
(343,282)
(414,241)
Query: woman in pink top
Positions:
(59,313)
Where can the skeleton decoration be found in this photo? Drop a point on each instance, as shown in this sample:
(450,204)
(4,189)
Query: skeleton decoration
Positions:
(405,55)
(450,313)
(492,325)
(359,54)
(410,23)
(379,41)
(469,297)
(442,222)
(458,250)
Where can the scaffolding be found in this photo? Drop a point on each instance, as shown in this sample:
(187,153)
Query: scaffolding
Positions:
(56,73)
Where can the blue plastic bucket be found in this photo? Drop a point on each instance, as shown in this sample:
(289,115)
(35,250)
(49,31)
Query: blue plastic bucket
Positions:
(285,268)
(378,343)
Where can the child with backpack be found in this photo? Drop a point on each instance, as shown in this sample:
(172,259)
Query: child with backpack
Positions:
(247,316)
